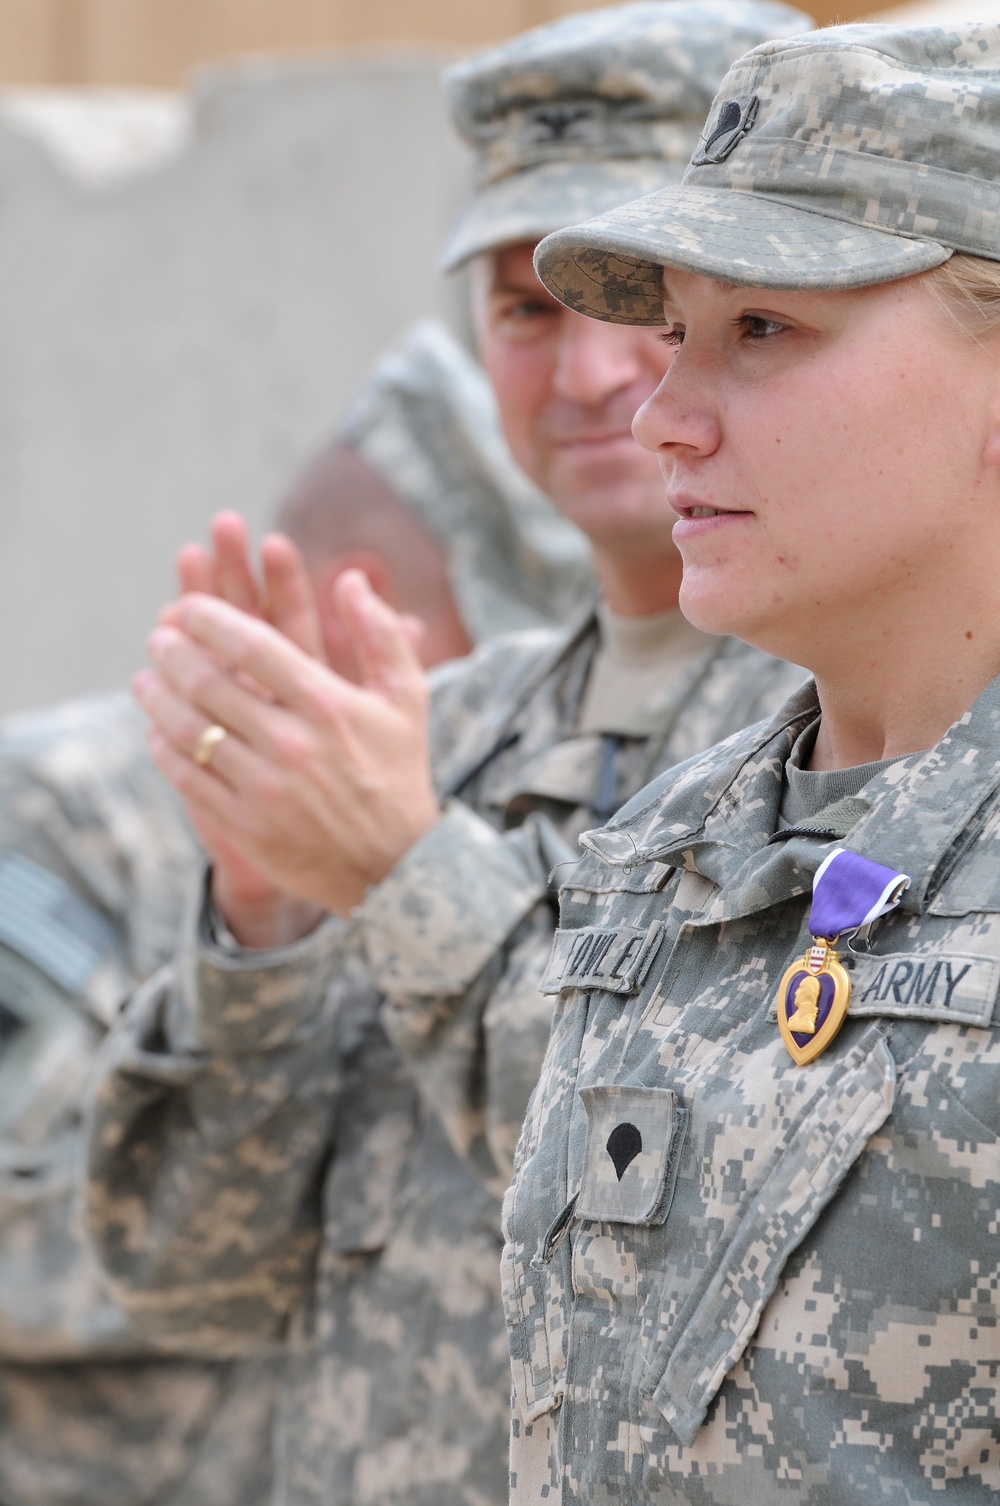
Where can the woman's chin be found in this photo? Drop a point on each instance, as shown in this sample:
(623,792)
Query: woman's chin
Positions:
(727,604)
(715,604)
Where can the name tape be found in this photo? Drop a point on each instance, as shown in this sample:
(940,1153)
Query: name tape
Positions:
(613,958)
(959,987)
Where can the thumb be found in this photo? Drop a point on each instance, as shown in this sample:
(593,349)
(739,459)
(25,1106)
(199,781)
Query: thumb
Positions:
(382,641)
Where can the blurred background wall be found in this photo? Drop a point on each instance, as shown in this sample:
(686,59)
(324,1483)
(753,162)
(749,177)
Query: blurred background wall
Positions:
(195,279)
(155,42)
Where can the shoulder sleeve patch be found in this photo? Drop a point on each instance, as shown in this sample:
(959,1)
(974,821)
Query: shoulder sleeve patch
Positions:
(43,920)
(612,958)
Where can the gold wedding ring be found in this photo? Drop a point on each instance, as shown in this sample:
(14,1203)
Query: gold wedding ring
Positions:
(207,744)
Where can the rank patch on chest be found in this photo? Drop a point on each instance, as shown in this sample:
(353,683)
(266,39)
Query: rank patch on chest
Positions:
(634,1137)
(613,958)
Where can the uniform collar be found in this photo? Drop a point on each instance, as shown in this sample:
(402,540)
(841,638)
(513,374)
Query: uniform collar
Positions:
(485,735)
(721,812)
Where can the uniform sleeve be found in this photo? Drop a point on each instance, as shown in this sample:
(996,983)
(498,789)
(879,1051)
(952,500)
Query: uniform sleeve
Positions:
(82,921)
(457,938)
(211,1123)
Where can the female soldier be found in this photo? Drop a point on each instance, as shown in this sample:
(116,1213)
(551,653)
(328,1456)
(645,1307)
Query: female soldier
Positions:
(754,1251)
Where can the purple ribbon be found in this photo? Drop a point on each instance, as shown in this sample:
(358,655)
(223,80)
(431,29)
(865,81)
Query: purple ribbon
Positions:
(850,892)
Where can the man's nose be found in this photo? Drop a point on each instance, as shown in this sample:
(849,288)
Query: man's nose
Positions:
(596,360)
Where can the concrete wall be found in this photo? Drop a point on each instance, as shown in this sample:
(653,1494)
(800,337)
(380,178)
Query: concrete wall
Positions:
(177,338)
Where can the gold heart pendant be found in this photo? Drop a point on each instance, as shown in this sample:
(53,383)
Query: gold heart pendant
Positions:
(813,999)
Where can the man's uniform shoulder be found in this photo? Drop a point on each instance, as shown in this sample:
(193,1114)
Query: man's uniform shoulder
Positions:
(473,699)
(88,742)
(96,856)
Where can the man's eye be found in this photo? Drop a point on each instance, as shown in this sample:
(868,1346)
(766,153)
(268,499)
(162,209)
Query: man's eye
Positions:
(524,309)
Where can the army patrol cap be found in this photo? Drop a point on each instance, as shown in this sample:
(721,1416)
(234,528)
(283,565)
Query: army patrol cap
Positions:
(840,159)
(574,117)
(426,422)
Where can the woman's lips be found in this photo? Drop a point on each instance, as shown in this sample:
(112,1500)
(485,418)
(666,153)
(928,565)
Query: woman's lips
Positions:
(697,518)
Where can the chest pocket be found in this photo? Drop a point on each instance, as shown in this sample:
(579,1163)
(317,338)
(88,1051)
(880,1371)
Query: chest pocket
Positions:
(695,1248)
(817,1129)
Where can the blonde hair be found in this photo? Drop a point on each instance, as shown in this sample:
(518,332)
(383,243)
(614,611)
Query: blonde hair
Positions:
(968,288)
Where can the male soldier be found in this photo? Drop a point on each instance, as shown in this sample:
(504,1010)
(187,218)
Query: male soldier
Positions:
(253,1106)
(97,864)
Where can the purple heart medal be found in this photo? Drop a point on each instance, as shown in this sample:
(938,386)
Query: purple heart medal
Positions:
(849,892)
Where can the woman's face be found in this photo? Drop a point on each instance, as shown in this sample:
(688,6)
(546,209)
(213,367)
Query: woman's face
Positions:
(829,455)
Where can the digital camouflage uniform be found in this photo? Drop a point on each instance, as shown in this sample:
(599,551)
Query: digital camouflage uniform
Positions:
(262,1156)
(791,1292)
(97,868)
(97,864)
(254,1105)
(729,1278)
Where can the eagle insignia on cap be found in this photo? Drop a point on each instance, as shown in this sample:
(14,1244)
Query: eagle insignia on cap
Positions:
(734,119)
(557,122)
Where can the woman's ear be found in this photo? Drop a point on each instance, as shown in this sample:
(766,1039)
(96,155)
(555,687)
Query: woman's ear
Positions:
(991,449)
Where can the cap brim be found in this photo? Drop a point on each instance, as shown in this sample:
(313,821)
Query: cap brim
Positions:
(530,204)
(612,267)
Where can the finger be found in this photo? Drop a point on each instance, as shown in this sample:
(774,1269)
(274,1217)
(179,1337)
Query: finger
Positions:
(255,648)
(237,582)
(194,675)
(289,599)
(211,799)
(183,726)
(196,570)
(415,629)
(382,642)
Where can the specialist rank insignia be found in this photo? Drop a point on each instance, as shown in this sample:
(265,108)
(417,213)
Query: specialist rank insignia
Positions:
(849,893)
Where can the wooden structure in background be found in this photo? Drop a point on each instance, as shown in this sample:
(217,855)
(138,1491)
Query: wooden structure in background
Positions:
(154,43)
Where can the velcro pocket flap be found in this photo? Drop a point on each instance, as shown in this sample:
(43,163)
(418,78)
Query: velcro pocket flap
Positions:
(818,1142)
(614,959)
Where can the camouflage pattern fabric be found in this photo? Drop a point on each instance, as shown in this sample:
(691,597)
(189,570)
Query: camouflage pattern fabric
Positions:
(427,422)
(729,1278)
(263,1158)
(96,866)
(574,117)
(842,159)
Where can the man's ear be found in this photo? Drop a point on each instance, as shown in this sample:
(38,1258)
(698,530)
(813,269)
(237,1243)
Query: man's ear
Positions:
(338,644)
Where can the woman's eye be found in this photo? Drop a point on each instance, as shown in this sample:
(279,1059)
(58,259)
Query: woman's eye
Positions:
(674,337)
(757,327)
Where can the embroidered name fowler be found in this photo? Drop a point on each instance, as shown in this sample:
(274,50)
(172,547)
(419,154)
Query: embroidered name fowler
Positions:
(612,958)
(814,994)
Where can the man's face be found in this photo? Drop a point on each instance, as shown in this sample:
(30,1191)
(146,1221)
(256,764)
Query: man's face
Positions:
(568,388)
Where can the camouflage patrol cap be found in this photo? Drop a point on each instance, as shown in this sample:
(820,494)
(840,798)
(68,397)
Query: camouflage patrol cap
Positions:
(427,423)
(574,117)
(841,159)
